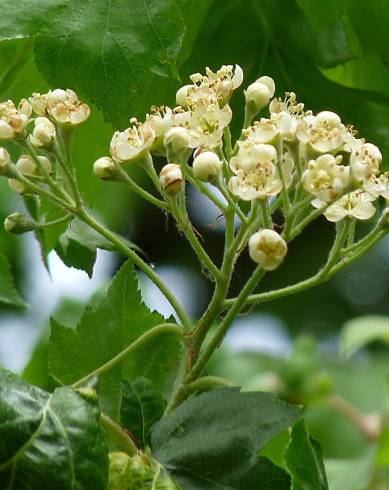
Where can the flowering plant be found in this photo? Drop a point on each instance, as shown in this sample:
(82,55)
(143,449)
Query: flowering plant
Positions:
(133,373)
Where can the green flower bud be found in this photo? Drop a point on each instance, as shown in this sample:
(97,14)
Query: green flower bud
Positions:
(18,223)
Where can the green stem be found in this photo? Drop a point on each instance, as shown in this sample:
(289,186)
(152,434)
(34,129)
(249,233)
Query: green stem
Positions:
(143,339)
(186,227)
(284,191)
(230,200)
(139,190)
(313,281)
(201,187)
(124,442)
(122,247)
(48,224)
(227,142)
(224,326)
(267,221)
(148,165)
(207,383)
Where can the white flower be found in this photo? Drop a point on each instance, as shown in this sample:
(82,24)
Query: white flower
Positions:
(160,120)
(256,173)
(38,103)
(62,106)
(133,142)
(378,186)
(43,132)
(267,248)
(258,95)
(206,122)
(268,130)
(325,178)
(289,105)
(365,161)
(357,204)
(221,83)
(207,166)
(170,178)
(13,121)
(324,132)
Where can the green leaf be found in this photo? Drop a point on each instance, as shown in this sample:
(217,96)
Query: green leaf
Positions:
(137,473)
(108,51)
(304,460)
(50,440)
(211,440)
(142,405)
(108,325)
(361,331)
(8,293)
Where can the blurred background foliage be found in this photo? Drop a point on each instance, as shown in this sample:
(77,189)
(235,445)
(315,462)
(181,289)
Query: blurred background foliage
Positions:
(334,55)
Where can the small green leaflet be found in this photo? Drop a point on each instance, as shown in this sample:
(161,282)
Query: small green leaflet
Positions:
(304,460)
(8,293)
(211,440)
(142,405)
(108,325)
(50,440)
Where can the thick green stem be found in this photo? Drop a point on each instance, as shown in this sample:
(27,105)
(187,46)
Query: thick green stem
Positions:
(143,339)
(122,247)
(224,326)
(266,217)
(227,142)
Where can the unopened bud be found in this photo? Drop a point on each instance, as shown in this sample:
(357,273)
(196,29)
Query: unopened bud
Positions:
(171,179)
(207,166)
(17,186)
(18,223)
(176,144)
(182,95)
(258,95)
(104,168)
(43,132)
(5,162)
(267,248)
(26,165)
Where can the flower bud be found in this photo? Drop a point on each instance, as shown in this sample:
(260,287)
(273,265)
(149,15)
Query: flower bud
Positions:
(171,179)
(5,162)
(104,168)
(43,132)
(267,248)
(17,186)
(258,95)
(207,166)
(182,94)
(176,144)
(18,223)
(26,165)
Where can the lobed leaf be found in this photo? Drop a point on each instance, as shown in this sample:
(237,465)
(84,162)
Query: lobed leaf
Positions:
(108,325)
(50,440)
(109,51)
(211,440)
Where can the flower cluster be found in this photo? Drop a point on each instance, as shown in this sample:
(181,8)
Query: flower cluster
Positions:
(35,126)
(288,160)
(290,153)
